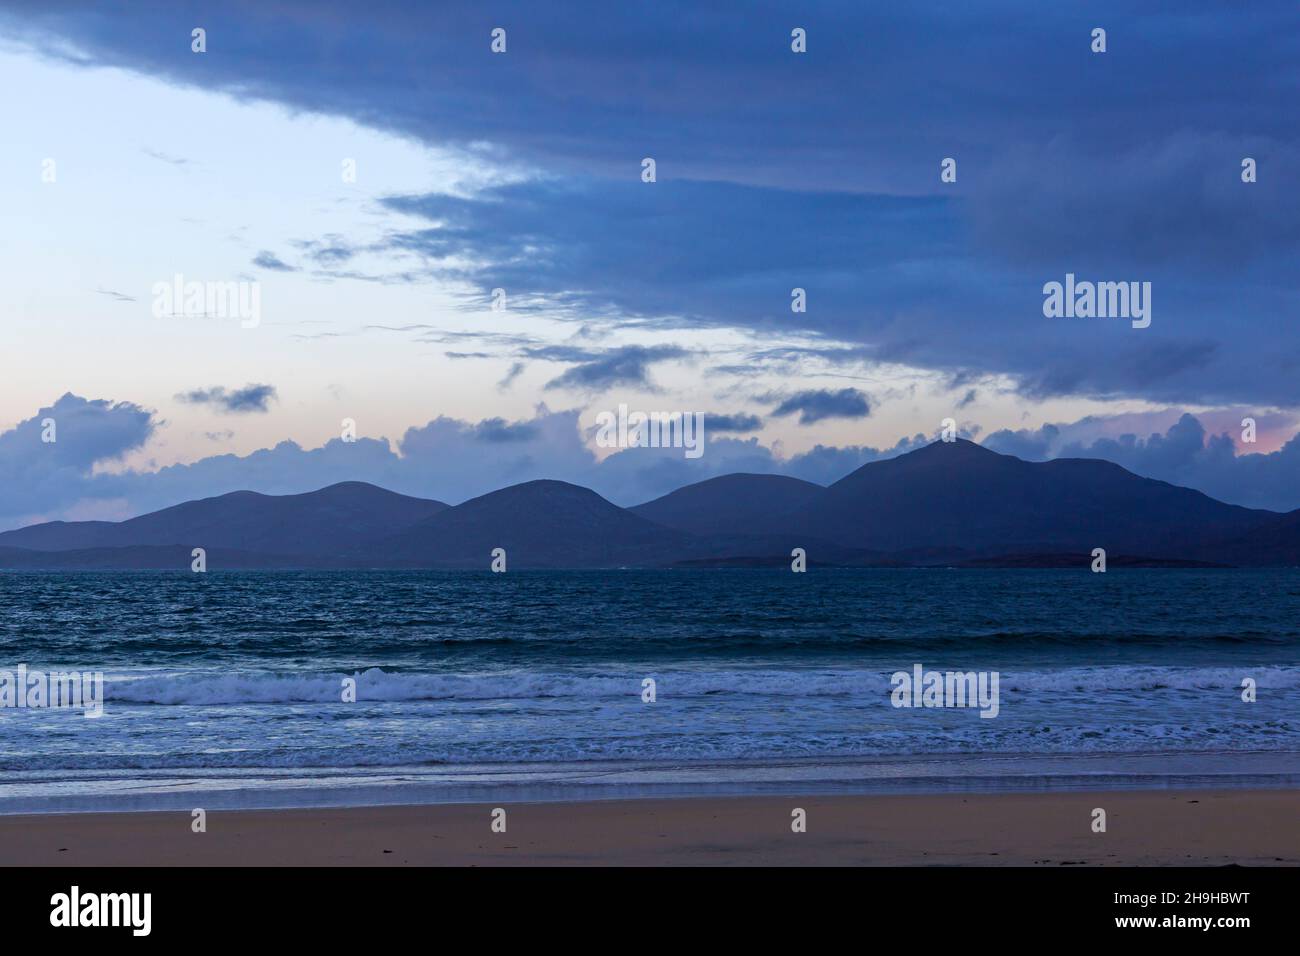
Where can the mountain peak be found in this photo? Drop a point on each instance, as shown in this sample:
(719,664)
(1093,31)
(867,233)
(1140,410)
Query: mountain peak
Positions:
(958,448)
(541,490)
(961,495)
(542,523)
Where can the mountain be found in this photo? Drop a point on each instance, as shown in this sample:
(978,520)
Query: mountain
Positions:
(961,495)
(330,521)
(730,504)
(949,503)
(541,524)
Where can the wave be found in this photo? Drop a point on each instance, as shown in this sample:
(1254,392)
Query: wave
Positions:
(225,688)
(478,759)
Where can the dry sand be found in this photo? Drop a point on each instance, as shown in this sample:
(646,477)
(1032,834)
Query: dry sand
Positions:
(1260,827)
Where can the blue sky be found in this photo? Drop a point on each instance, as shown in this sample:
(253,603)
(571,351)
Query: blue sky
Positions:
(522,171)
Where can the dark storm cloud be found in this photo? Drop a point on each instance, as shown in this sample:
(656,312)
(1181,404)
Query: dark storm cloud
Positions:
(820,170)
(716,92)
(894,273)
(705,253)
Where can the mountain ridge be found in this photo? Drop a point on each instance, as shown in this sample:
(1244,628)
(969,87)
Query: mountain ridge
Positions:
(948,503)
(331,519)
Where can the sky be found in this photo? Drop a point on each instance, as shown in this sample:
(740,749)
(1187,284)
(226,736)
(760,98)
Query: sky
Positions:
(374,173)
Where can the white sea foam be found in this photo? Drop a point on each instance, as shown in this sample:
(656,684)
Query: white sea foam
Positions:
(223,688)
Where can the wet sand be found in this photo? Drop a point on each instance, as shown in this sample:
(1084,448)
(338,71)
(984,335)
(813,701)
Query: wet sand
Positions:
(1249,827)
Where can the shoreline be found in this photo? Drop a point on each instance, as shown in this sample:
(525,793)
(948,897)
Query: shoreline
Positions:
(25,793)
(1202,827)
(917,775)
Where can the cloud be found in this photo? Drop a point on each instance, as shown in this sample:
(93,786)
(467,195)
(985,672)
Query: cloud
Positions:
(687,253)
(710,84)
(43,477)
(891,279)
(1117,167)
(1184,454)
(330,250)
(250,398)
(499,430)
(739,422)
(516,369)
(1029,444)
(626,366)
(269,260)
(815,405)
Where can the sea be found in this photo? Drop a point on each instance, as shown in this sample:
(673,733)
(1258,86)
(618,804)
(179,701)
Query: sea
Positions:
(342,688)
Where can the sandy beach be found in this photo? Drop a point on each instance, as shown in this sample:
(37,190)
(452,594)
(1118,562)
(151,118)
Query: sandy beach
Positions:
(1213,827)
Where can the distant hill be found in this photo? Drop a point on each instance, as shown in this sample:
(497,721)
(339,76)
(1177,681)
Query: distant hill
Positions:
(333,520)
(541,524)
(948,504)
(730,504)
